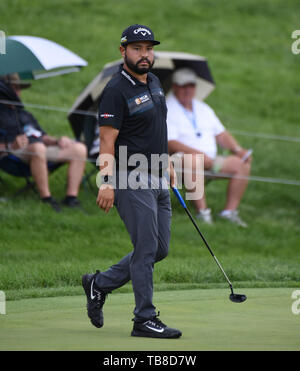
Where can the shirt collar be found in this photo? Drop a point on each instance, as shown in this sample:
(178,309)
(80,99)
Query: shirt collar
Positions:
(134,81)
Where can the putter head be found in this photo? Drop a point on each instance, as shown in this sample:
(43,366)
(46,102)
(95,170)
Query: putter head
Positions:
(237,298)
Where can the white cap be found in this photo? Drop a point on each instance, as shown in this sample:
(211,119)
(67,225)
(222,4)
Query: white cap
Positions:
(184,76)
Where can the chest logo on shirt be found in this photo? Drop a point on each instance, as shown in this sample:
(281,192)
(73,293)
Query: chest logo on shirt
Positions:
(142,99)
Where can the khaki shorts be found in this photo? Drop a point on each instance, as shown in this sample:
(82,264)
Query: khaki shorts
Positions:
(23,154)
(218,164)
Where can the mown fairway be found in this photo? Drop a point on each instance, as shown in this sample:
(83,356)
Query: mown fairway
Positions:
(208,320)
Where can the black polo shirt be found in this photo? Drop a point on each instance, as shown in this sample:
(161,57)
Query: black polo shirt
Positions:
(138,111)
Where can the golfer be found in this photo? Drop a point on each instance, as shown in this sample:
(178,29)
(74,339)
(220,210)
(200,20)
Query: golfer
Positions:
(132,115)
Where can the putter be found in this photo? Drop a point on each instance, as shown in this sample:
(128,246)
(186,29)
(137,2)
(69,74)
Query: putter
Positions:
(236,298)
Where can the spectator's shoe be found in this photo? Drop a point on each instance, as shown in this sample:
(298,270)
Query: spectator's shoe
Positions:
(154,328)
(72,202)
(233,217)
(205,216)
(95,299)
(52,202)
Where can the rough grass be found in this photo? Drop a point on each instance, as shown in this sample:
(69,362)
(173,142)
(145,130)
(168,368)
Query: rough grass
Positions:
(248,45)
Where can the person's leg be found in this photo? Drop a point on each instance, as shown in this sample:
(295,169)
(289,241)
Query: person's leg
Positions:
(236,187)
(75,155)
(141,212)
(38,167)
(120,272)
(200,204)
(164,215)
(138,210)
(35,156)
(191,165)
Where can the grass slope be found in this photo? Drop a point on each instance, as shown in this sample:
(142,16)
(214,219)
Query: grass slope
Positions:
(248,45)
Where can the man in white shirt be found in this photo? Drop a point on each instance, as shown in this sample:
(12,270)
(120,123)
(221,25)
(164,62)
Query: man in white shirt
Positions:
(194,128)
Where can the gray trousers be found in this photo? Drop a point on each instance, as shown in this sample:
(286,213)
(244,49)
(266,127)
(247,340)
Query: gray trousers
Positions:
(146,214)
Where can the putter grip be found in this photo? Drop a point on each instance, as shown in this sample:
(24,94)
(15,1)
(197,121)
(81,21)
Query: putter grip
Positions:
(179,197)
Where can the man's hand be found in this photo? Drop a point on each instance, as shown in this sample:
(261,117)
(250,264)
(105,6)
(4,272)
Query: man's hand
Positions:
(106,197)
(172,175)
(64,142)
(21,141)
(242,152)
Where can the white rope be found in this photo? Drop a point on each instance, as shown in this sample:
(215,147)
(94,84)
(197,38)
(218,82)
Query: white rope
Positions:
(266,136)
(49,108)
(28,153)
(205,173)
(255,178)
(94,114)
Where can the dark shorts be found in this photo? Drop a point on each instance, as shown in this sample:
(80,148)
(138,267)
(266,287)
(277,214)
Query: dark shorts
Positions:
(13,165)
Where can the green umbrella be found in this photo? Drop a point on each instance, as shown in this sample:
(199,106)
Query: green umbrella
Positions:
(35,57)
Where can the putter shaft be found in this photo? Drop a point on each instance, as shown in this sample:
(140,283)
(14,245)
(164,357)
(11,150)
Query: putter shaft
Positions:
(209,249)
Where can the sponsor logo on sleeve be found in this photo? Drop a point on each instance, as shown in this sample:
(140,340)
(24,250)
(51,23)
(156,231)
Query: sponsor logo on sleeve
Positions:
(107,115)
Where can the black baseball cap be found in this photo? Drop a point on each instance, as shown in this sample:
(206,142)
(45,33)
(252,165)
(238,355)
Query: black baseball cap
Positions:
(137,32)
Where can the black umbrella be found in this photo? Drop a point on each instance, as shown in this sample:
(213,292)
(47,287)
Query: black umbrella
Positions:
(86,105)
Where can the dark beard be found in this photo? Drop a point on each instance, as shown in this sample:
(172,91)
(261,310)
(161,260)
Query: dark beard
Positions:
(135,68)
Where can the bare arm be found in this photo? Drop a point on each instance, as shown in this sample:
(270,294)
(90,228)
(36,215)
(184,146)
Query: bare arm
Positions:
(227,141)
(20,141)
(49,140)
(176,146)
(62,142)
(2,147)
(108,136)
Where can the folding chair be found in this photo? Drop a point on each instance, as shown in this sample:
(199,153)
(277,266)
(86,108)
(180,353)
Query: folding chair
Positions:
(12,165)
(89,126)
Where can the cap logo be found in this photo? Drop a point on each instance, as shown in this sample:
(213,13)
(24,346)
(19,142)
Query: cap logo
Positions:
(124,39)
(142,30)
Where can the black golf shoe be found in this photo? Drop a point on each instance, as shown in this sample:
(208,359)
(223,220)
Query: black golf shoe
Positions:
(95,299)
(154,328)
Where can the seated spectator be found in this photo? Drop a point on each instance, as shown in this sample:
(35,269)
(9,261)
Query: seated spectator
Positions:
(194,128)
(31,144)
(94,150)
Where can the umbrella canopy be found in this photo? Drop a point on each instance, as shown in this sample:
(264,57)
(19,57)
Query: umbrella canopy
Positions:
(34,57)
(165,64)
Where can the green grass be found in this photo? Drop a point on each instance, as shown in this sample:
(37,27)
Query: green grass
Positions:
(207,319)
(248,46)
